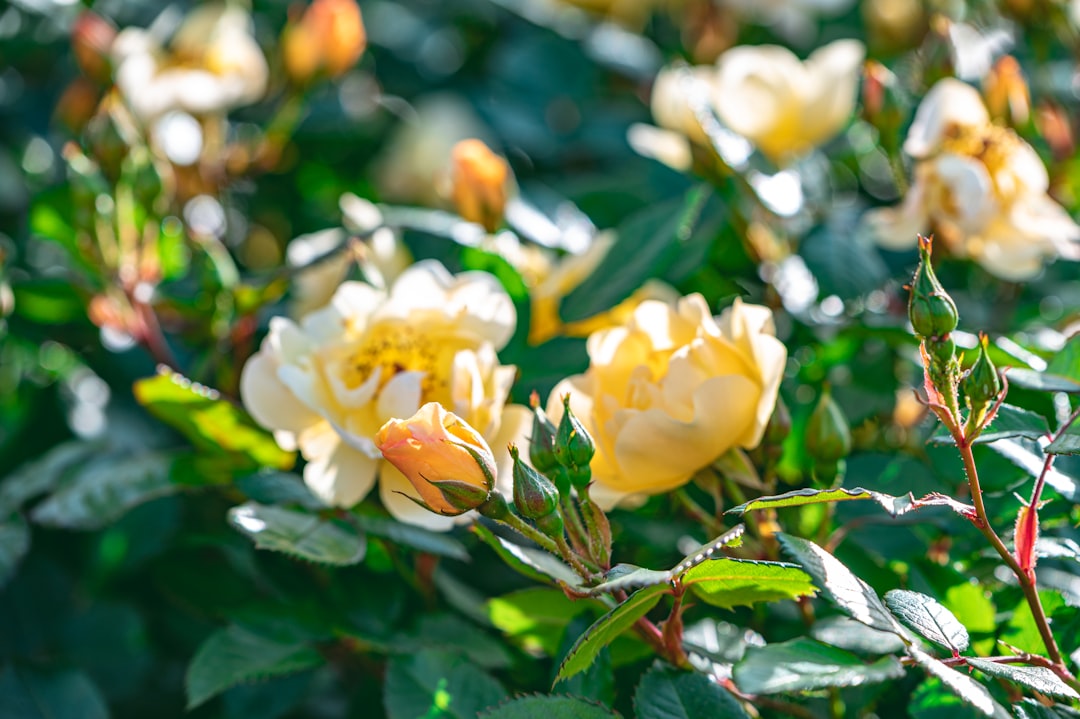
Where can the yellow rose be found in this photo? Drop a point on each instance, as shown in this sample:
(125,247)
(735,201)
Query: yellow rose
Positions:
(446,461)
(671,390)
(328,383)
(783,105)
(979,187)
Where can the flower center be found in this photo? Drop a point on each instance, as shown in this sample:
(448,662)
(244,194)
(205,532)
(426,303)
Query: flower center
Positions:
(395,348)
(992,145)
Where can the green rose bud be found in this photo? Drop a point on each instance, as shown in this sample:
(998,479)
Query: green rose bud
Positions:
(542,442)
(828,437)
(931,311)
(573,445)
(534,494)
(981,385)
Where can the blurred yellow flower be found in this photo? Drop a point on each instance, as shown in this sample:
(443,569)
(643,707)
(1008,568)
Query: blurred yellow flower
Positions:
(784,106)
(979,187)
(671,390)
(480,182)
(446,461)
(328,383)
(329,37)
(212,66)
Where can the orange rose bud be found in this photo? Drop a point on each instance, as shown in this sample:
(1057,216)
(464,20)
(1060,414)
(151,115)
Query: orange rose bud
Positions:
(447,462)
(1006,91)
(329,37)
(479,183)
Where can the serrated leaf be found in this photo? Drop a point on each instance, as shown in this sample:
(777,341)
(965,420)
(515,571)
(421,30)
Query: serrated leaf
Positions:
(302,535)
(534,618)
(607,628)
(236,654)
(273,487)
(730,538)
(30,694)
(728,583)
(799,497)
(43,474)
(804,664)
(439,685)
(1040,679)
(1067,443)
(549,707)
(960,684)
(211,423)
(597,682)
(410,535)
(666,693)
(101,491)
(933,700)
(1009,422)
(1066,362)
(14,543)
(1042,381)
(851,594)
(530,562)
(850,635)
(928,618)
(627,577)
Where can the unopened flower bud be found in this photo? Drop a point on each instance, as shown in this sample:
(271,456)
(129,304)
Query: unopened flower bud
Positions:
(329,38)
(480,179)
(932,312)
(534,494)
(779,426)
(828,436)
(883,104)
(542,441)
(573,446)
(1006,92)
(981,385)
(91,41)
(447,462)
(579,477)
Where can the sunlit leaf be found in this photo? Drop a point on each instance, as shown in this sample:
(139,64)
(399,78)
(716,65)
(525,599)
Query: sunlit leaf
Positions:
(848,634)
(306,536)
(728,583)
(928,618)
(533,563)
(1040,679)
(961,684)
(803,664)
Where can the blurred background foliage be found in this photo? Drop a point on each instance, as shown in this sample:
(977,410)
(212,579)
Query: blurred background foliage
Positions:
(111,590)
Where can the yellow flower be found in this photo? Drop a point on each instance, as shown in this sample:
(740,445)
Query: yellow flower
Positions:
(329,37)
(480,181)
(446,461)
(212,66)
(979,187)
(328,383)
(672,390)
(783,105)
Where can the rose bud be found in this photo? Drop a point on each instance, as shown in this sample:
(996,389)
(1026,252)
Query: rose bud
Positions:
(480,179)
(446,460)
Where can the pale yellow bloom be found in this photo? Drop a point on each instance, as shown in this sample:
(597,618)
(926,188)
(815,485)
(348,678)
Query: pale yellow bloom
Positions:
(979,187)
(328,383)
(446,461)
(671,390)
(784,106)
(212,66)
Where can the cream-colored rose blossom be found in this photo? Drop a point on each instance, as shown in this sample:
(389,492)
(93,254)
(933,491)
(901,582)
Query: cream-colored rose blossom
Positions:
(212,66)
(328,383)
(979,187)
(784,106)
(670,391)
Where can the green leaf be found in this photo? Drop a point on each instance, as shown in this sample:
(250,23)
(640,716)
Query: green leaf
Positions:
(607,628)
(844,262)
(846,633)
(302,535)
(273,487)
(1026,455)
(14,543)
(928,618)
(549,707)
(1042,381)
(1009,422)
(1022,631)
(1066,443)
(1066,363)
(960,684)
(851,594)
(410,535)
(799,497)
(647,245)
(532,563)
(933,700)
(102,490)
(534,618)
(803,664)
(450,632)
(597,682)
(1040,679)
(236,654)
(666,693)
(1032,709)
(438,685)
(211,423)
(970,603)
(30,694)
(43,474)
(728,583)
